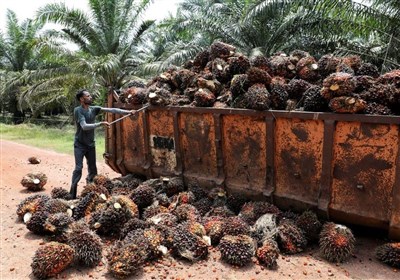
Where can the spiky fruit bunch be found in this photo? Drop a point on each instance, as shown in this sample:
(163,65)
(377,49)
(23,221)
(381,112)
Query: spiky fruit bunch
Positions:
(203,205)
(86,205)
(61,193)
(182,78)
(158,96)
(368,69)
(336,242)
(239,85)
(204,98)
(327,64)
(201,59)
(238,64)
(214,228)
(188,245)
(221,50)
(173,185)
(296,55)
(389,253)
(268,253)
(50,259)
(150,239)
(220,70)
(289,215)
(392,77)
(143,196)
(235,226)
(153,210)
(235,202)
(314,101)
(253,210)
(125,259)
(296,88)
(282,66)
(87,246)
(36,222)
(34,181)
(166,219)
(221,211)
(257,97)
(126,203)
(278,97)
(379,93)
(353,61)
(195,228)
(213,85)
(308,222)
(237,250)
(132,225)
(258,76)
(34,160)
(31,204)
(344,68)
(186,212)
(58,223)
(338,84)
(307,69)
(97,188)
(183,198)
(133,95)
(53,206)
(261,62)
(136,84)
(363,83)
(347,104)
(374,108)
(291,239)
(163,200)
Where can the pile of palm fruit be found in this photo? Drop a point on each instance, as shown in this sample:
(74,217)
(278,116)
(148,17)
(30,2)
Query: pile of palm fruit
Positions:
(221,77)
(131,221)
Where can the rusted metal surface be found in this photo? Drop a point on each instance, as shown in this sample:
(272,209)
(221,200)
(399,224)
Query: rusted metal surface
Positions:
(344,166)
(298,150)
(364,171)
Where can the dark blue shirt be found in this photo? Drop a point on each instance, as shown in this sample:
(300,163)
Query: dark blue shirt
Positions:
(81,116)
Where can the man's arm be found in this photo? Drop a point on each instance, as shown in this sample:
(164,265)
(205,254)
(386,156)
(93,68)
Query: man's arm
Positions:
(89,126)
(117,111)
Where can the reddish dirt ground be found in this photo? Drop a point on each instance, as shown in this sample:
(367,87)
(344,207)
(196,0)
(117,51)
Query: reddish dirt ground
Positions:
(18,245)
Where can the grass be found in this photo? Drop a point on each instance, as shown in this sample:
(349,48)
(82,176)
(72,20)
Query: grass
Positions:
(55,139)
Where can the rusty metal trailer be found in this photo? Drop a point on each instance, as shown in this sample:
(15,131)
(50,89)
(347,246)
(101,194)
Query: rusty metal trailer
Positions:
(343,166)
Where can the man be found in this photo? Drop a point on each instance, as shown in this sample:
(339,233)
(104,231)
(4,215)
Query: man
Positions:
(84,143)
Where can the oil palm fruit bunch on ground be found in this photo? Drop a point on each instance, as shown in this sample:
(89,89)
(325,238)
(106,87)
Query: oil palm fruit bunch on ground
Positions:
(389,253)
(61,193)
(34,181)
(268,253)
(336,242)
(30,205)
(308,222)
(188,245)
(34,160)
(237,250)
(291,239)
(50,259)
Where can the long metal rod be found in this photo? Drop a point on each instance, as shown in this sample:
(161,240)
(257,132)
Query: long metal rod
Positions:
(128,115)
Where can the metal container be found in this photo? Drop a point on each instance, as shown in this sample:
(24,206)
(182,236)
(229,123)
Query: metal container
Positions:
(342,166)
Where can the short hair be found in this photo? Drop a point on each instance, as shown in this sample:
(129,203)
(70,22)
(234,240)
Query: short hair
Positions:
(80,93)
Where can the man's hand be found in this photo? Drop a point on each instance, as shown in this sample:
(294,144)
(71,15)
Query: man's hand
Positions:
(107,124)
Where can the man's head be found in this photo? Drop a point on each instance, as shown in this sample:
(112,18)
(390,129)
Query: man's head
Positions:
(84,97)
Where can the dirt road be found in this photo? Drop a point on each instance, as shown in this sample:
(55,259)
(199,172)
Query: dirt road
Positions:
(18,245)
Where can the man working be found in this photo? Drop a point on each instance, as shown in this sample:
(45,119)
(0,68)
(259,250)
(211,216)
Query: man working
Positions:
(84,143)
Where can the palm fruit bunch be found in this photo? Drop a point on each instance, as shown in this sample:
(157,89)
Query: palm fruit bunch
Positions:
(278,96)
(57,223)
(221,211)
(87,205)
(188,245)
(238,64)
(336,242)
(220,70)
(214,228)
(61,193)
(143,196)
(281,65)
(239,85)
(307,69)
(195,228)
(389,253)
(51,259)
(235,226)
(257,75)
(203,97)
(182,78)
(308,222)
(261,62)
(257,97)
(253,210)
(133,95)
(172,186)
(86,244)
(153,210)
(186,212)
(125,259)
(203,205)
(374,108)
(327,64)
(363,84)
(235,202)
(149,239)
(37,221)
(97,188)
(201,59)
(368,69)
(347,104)
(352,61)
(34,160)
(237,250)
(30,205)
(268,253)
(291,239)
(265,227)
(314,101)
(34,181)
(338,84)
(165,219)
(132,225)
(222,50)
